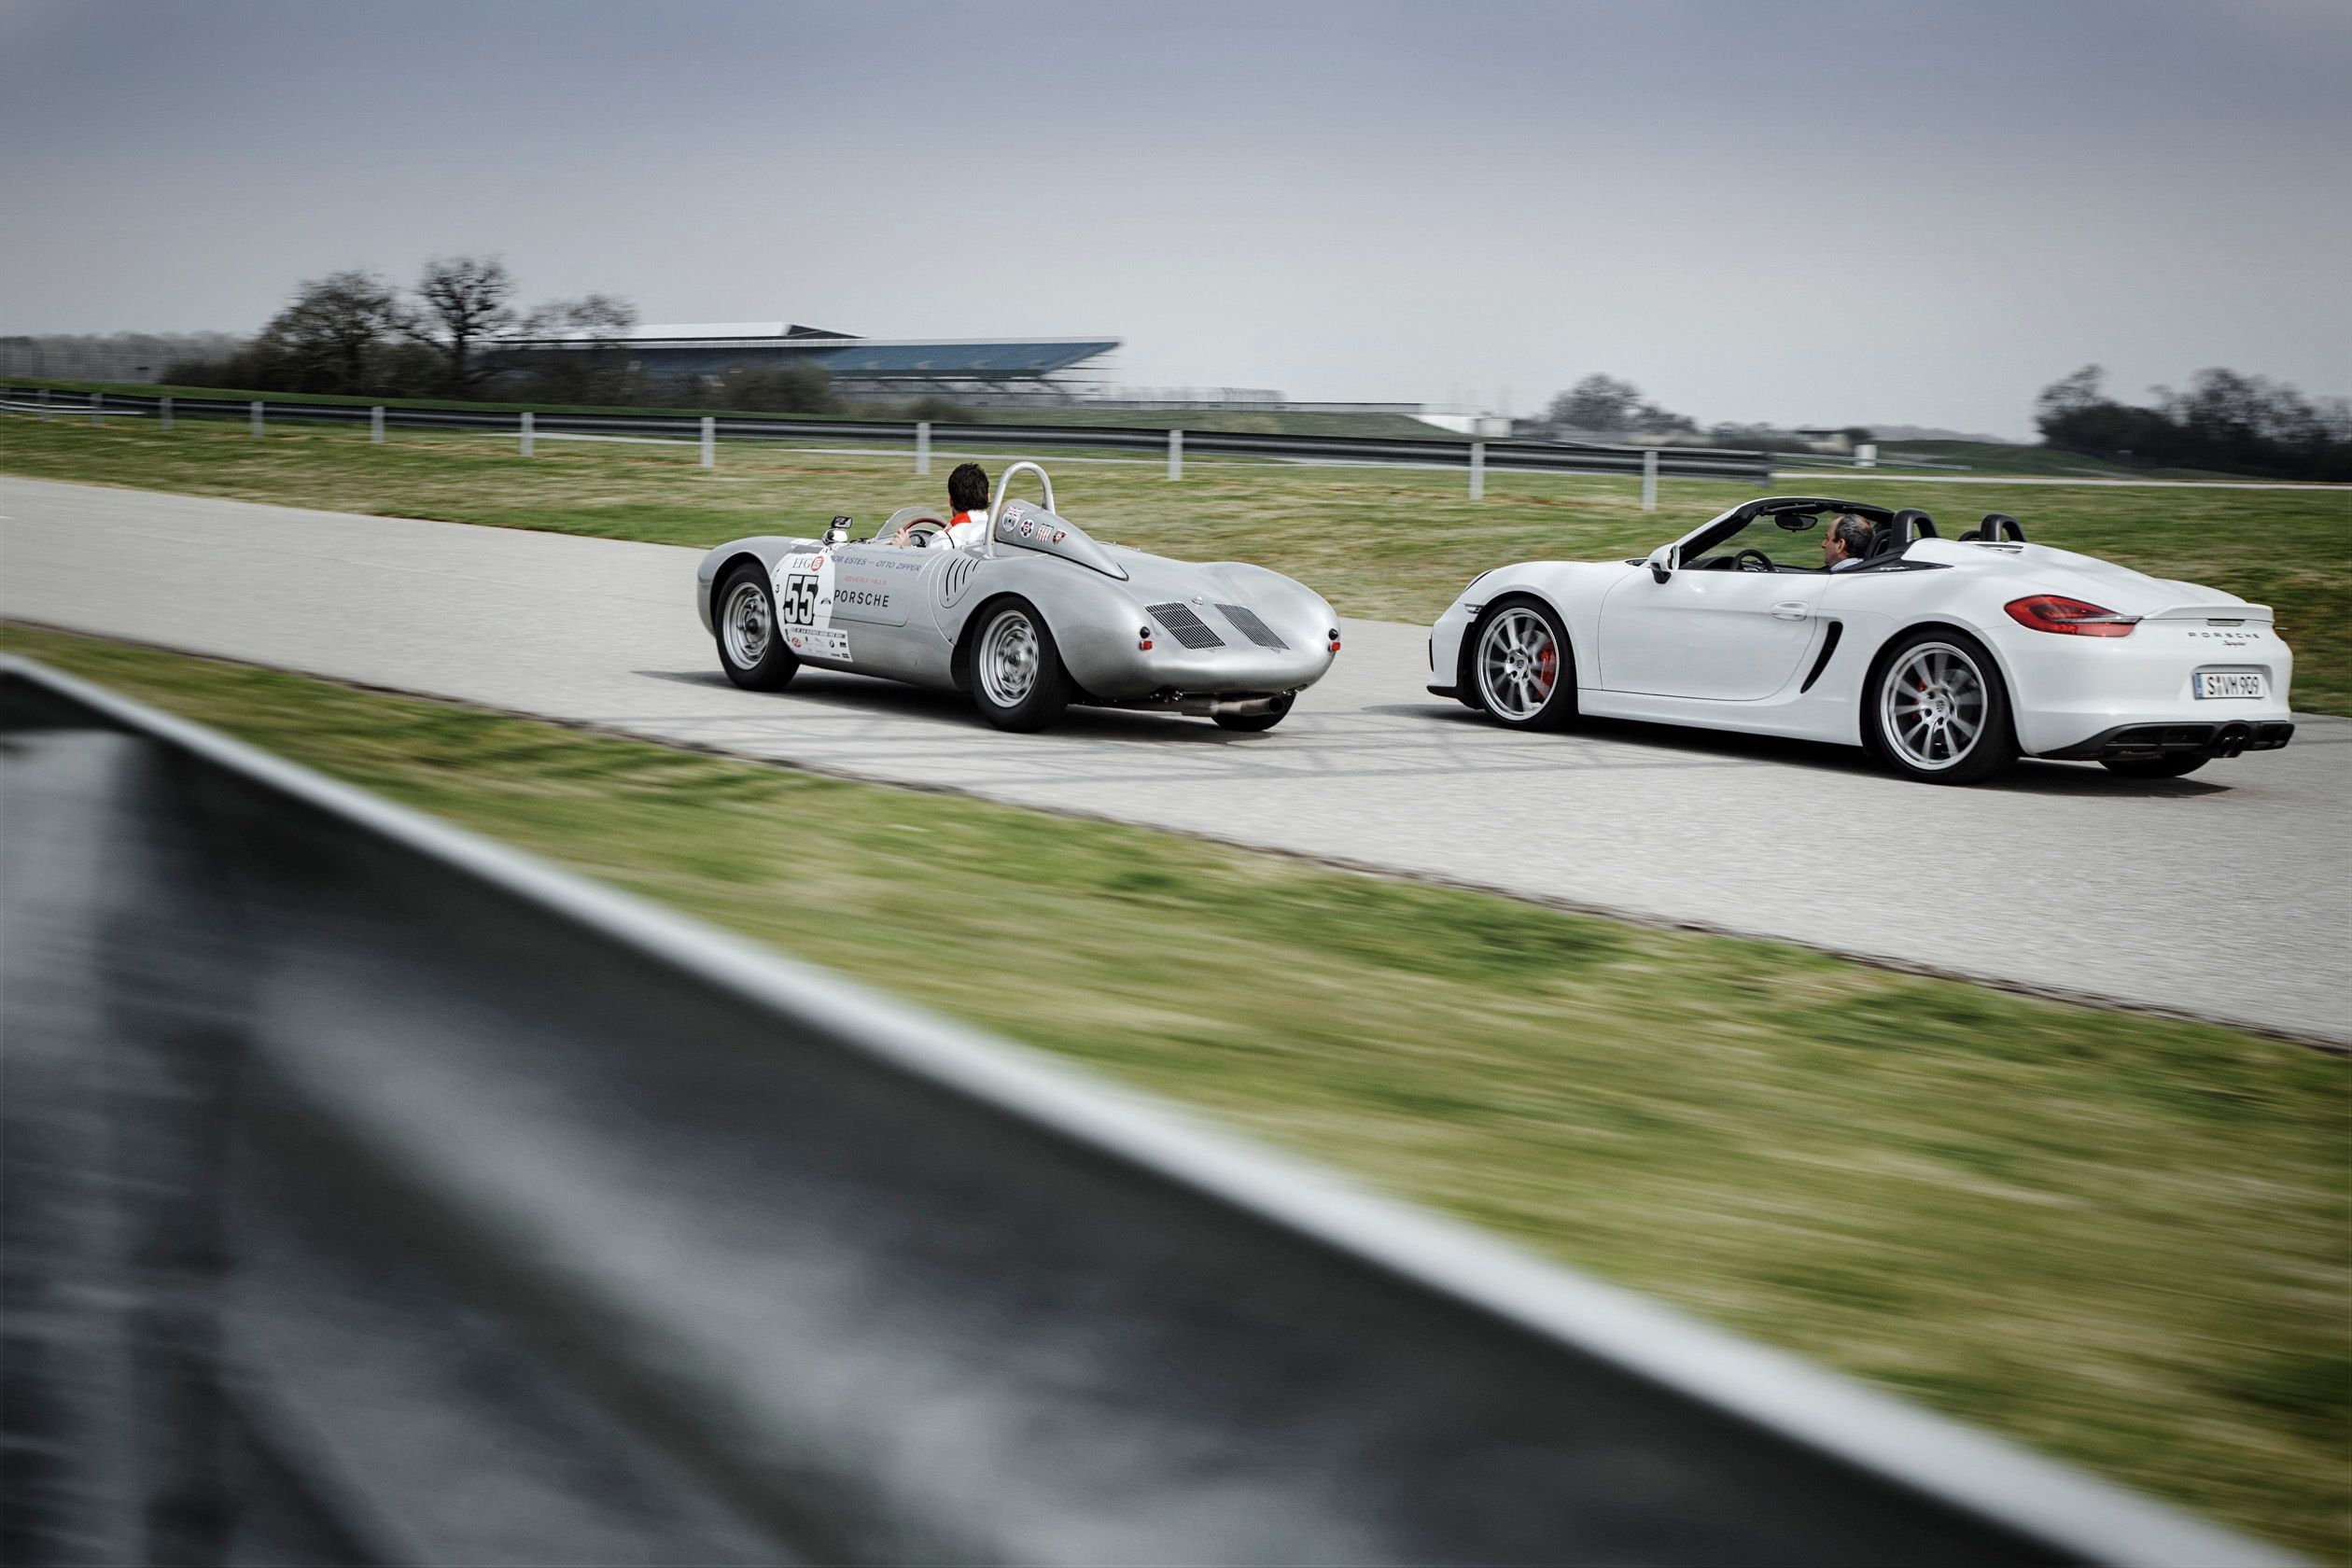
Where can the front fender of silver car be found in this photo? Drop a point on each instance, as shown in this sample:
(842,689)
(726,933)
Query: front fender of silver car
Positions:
(766,549)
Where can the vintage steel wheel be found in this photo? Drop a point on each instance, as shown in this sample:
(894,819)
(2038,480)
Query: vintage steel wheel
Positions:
(1016,673)
(1520,664)
(751,646)
(747,622)
(1008,658)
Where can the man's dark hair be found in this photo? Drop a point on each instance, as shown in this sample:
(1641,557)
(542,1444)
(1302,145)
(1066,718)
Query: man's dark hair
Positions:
(1854,533)
(968,487)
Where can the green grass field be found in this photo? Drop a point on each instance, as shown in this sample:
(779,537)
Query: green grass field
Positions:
(1388,543)
(2119,1239)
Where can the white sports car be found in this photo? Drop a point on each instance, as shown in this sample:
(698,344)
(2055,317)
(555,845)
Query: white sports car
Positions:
(1946,658)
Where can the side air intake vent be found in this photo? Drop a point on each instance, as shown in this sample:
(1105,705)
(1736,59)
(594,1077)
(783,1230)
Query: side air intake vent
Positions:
(1185,626)
(1245,620)
(958,577)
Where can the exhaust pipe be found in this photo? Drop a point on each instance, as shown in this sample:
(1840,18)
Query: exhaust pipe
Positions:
(1209,707)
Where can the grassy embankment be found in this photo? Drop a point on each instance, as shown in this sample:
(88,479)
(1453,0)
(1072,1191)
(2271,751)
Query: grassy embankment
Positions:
(2119,1238)
(1389,543)
(2000,457)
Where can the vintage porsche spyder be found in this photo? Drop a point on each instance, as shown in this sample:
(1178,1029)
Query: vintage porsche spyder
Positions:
(1945,658)
(1036,616)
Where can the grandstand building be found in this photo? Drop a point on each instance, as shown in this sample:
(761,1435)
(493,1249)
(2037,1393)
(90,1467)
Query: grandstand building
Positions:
(978,371)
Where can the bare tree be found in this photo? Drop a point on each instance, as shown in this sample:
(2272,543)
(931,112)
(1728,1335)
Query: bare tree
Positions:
(1598,402)
(1602,403)
(463,303)
(594,367)
(595,317)
(333,328)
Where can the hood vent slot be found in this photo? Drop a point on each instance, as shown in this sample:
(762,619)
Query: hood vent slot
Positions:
(1185,626)
(1245,620)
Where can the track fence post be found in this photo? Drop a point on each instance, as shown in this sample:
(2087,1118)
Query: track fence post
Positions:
(41,398)
(1175,455)
(97,407)
(525,433)
(257,419)
(163,415)
(709,442)
(1649,479)
(375,425)
(922,447)
(1477,470)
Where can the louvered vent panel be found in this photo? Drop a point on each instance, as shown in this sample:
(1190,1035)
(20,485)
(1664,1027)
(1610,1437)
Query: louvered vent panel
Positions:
(1185,626)
(1246,620)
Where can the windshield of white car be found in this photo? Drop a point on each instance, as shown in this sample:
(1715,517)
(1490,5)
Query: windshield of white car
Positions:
(1786,551)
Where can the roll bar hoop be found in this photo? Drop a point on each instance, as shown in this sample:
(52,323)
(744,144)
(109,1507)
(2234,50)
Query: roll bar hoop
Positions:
(1004,486)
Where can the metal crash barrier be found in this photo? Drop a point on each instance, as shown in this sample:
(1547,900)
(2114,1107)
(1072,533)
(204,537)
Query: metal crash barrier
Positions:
(1432,451)
(375,1193)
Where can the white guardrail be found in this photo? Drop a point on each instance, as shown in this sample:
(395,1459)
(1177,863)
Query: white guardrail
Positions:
(377,1194)
(1474,458)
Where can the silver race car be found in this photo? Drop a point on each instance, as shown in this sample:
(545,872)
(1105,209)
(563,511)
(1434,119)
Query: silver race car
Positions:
(1032,618)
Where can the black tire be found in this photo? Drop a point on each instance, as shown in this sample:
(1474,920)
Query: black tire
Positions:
(753,655)
(1255,723)
(1506,690)
(2154,767)
(1014,692)
(1944,708)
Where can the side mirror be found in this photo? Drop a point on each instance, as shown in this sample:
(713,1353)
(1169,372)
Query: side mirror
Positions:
(1661,564)
(839,532)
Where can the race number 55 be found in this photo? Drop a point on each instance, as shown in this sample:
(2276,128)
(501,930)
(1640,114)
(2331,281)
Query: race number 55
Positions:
(796,606)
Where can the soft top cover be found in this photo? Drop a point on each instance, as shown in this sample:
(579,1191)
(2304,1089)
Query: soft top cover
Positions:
(1026,525)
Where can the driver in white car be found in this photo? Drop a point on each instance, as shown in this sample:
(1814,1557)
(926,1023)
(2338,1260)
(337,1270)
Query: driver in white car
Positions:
(1846,543)
(968,496)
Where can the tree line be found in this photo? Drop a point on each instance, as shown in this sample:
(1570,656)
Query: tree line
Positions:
(1603,405)
(2225,421)
(458,332)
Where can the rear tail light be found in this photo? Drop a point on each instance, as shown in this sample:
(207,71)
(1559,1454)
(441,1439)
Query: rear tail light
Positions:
(1333,636)
(2055,613)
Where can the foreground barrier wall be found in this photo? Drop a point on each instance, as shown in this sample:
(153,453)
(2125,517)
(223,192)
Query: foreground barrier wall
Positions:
(374,1194)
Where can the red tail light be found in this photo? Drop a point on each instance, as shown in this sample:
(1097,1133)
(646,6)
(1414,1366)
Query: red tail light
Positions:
(2053,612)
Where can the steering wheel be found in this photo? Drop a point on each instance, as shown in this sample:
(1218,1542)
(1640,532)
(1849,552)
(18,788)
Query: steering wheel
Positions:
(923,533)
(1762,562)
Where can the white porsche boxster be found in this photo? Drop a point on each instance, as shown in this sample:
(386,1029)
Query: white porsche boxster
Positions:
(1947,659)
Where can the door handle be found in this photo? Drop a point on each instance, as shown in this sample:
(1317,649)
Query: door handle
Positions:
(1791,609)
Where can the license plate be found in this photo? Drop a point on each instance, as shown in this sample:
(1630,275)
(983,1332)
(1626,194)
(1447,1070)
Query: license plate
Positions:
(2231,684)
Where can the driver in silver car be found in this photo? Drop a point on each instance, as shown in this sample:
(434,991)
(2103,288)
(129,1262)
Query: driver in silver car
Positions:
(1846,543)
(968,496)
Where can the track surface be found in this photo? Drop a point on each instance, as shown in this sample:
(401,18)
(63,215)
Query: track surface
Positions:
(2223,895)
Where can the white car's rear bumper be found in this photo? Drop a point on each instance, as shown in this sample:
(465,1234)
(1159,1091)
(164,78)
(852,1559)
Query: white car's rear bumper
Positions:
(2079,696)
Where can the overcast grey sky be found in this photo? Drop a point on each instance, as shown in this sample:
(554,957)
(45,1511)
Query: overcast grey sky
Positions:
(1803,213)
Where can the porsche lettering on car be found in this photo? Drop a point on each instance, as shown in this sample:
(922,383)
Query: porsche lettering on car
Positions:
(1947,659)
(1034,617)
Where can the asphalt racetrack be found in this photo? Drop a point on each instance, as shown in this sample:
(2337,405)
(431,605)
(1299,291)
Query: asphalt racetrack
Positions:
(2223,895)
